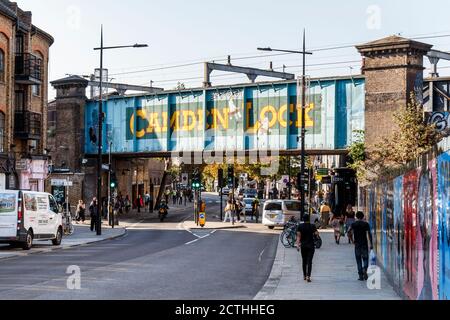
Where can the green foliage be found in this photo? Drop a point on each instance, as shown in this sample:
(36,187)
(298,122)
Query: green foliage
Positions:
(357,154)
(413,137)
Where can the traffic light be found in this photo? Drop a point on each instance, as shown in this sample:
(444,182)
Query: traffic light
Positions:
(231,180)
(220,178)
(196,180)
(113,181)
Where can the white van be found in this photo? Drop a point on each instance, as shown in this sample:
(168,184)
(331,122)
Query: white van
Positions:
(276,213)
(26,216)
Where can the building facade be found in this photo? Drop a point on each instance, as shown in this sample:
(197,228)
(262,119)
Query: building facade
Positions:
(69,164)
(24,58)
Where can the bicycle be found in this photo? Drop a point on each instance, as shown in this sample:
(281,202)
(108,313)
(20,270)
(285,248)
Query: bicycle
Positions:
(68,226)
(289,236)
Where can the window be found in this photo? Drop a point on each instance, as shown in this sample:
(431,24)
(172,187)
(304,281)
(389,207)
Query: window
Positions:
(293,206)
(20,100)
(2,65)
(19,43)
(2,132)
(53,205)
(36,90)
(274,206)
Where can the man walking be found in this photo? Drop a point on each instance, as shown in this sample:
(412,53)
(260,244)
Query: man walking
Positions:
(305,243)
(325,211)
(361,232)
(93,211)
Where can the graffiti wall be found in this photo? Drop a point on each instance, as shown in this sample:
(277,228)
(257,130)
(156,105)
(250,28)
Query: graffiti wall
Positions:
(250,117)
(410,222)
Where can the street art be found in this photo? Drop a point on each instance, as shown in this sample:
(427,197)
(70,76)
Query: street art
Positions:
(441,120)
(412,213)
(443,204)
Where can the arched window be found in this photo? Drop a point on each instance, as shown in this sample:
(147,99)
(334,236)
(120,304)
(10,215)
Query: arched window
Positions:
(2,65)
(2,132)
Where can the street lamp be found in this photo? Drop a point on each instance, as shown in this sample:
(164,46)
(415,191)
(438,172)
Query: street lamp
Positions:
(303,134)
(100,127)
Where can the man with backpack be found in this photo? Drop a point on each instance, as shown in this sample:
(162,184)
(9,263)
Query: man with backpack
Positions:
(361,233)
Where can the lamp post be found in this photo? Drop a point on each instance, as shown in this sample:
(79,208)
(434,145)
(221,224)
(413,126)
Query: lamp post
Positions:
(100,128)
(303,133)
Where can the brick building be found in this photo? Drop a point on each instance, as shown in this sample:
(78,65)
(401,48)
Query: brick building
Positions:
(66,140)
(24,57)
(393,69)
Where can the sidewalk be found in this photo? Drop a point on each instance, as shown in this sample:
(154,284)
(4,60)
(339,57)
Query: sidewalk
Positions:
(334,276)
(82,236)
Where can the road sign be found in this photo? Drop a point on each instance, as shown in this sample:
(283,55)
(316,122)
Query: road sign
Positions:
(326,180)
(61,183)
(323,172)
(106,167)
(185,179)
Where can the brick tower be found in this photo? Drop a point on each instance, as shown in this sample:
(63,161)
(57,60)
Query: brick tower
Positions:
(393,68)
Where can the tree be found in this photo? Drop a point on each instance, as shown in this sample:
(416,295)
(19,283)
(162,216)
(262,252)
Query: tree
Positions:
(357,154)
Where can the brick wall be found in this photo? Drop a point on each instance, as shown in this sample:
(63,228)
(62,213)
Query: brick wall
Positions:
(392,67)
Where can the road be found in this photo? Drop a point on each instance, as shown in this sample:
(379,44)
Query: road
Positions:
(149,264)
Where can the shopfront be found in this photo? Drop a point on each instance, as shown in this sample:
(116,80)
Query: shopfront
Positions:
(32,174)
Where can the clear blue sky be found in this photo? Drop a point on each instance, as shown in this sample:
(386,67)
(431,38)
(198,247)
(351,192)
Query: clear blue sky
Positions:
(180,31)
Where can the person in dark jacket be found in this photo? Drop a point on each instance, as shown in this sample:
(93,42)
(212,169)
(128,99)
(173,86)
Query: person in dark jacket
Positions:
(93,211)
(361,233)
(305,243)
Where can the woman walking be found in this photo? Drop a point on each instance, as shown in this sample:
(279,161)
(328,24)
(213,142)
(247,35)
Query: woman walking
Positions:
(350,219)
(229,211)
(336,224)
(81,212)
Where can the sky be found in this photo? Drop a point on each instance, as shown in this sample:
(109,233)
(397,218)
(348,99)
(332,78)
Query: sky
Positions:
(181,32)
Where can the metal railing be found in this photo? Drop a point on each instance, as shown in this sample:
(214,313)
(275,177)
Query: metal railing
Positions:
(28,65)
(27,123)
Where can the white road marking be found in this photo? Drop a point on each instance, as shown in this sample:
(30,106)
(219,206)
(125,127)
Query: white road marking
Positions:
(260,256)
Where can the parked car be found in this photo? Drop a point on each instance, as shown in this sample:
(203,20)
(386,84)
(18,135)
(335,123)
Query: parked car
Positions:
(226,191)
(250,193)
(26,216)
(276,213)
(248,205)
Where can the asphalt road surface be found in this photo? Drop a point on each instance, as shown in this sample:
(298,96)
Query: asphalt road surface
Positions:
(147,264)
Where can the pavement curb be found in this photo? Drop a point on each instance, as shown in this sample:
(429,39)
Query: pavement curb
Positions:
(51,249)
(275,276)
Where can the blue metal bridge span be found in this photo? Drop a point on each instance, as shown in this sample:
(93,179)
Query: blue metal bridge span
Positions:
(249,117)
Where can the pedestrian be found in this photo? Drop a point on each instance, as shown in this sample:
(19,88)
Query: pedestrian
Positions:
(185,197)
(174,197)
(305,243)
(81,212)
(336,225)
(150,203)
(349,220)
(94,214)
(127,204)
(139,203)
(180,197)
(237,210)
(229,212)
(325,212)
(362,233)
(255,209)
(167,195)
(147,200)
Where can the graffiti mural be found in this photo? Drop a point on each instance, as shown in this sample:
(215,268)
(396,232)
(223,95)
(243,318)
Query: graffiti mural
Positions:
(410,220)
(441,120)
(443,205)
